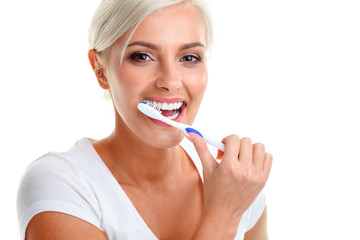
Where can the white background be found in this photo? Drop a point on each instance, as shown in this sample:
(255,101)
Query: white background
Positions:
(282,72)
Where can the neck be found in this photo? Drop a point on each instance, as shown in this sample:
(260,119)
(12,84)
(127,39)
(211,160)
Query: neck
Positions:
(134,162)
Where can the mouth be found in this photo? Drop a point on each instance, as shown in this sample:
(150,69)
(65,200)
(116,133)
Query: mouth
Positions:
(171,108)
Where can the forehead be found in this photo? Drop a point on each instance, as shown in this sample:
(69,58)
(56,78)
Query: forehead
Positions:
(178,24)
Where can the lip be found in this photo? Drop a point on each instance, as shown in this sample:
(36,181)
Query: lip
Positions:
(168,100)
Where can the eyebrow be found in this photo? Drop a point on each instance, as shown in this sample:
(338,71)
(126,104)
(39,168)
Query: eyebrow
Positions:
(192,45)
(157,48)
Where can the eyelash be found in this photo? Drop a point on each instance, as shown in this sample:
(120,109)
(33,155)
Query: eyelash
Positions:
(197,57)
(135,57)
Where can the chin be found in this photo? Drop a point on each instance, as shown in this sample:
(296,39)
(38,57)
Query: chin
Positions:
(167,140)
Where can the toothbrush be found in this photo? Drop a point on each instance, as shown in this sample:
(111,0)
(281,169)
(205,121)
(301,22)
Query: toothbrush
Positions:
(155,113)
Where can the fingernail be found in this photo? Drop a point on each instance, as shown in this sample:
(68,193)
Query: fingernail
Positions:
(191,130)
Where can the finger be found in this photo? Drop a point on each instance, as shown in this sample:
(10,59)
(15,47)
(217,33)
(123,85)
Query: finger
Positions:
(267,164)
(207,160)
(188,138)
(246,151)
(232,147)
(258,155)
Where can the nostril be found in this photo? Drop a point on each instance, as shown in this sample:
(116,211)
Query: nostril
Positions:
(169,80)
(171,86)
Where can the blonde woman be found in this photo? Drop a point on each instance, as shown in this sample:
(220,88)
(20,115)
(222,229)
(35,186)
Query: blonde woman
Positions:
(145,180)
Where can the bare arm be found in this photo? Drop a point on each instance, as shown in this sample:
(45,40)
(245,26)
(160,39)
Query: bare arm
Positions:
(60,226)
(259,231)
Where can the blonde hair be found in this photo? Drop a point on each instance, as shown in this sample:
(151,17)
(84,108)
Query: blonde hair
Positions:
(116,18)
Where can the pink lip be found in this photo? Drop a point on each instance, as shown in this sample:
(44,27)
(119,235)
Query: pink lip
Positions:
(167,100)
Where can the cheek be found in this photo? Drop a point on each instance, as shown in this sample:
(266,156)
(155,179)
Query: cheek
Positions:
(196,85)
(125,83)
(126,86)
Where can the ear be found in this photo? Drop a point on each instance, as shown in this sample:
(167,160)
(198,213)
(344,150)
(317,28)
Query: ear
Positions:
(99,70)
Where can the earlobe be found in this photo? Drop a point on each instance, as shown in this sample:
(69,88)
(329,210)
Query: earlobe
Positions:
(103,83)
(98,69)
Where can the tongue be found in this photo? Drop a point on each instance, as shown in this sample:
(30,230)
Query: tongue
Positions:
(167,113)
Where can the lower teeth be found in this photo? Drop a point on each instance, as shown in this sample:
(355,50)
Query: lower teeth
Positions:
(175,114)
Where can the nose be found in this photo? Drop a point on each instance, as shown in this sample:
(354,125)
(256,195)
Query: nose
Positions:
(169,78)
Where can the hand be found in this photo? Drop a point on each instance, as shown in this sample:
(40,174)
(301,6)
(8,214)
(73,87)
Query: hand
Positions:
(231,186)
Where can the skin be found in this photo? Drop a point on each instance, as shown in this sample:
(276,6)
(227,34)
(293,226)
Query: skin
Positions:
(166,58)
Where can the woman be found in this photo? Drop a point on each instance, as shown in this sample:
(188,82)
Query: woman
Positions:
(145,181)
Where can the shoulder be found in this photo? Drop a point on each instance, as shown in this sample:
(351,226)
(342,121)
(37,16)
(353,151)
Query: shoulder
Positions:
(56,182)
(50,163)
(43,174)
(51,172)
(59,165)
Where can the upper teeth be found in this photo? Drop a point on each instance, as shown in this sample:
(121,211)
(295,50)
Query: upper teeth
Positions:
(164,105)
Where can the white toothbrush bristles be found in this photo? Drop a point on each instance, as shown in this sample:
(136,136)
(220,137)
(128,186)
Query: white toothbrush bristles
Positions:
(153,106)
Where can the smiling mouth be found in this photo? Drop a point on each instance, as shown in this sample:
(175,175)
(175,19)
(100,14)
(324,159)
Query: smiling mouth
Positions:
(169,110)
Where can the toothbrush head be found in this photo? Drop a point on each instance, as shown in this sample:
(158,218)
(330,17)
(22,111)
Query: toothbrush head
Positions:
(155,113)
(149,110)
(152,105)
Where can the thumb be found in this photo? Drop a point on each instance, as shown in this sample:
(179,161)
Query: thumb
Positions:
(207,160)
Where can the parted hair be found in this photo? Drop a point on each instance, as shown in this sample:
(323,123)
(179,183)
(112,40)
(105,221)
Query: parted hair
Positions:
(119,18)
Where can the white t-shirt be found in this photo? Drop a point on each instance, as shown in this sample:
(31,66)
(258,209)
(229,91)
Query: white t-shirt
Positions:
(78,183)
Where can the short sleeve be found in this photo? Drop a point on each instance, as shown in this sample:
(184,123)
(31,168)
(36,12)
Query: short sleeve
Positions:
(255,211)
(51,183)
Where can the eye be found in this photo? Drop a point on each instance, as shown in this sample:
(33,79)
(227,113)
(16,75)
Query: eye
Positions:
(140,57)
(191,58)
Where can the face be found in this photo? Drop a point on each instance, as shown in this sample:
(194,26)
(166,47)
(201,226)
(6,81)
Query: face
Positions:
(164,62)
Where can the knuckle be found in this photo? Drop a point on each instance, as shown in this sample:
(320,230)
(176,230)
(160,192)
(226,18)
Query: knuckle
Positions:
(260,183)
(259,146)
(259,177)
(258,171)
(233,140)
(201,147)
(234,137)
(246,174)
(246,140)
(228,169)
